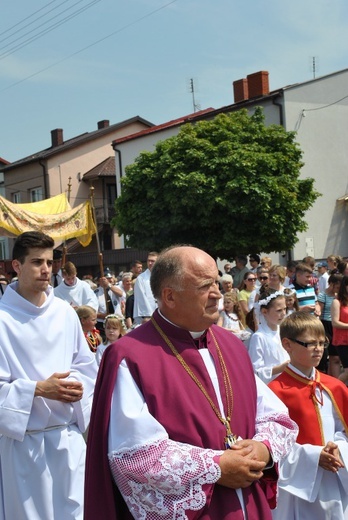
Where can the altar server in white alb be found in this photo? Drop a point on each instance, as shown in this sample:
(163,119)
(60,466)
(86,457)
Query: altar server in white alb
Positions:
(75,291)
(47,376)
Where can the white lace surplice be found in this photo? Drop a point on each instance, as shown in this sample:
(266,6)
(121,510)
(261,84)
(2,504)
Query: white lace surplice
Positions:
(163,479)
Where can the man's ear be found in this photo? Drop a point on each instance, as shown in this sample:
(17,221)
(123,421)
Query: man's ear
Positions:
(168,297)
(16,266)
(287,345)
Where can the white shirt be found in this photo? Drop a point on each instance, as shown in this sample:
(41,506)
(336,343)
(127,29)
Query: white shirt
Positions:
(323,282)
(144,301)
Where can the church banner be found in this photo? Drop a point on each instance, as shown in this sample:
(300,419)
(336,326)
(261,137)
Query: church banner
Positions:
(72,223)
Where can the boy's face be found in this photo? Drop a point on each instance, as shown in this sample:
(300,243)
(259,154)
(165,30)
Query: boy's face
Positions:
(303,278)
(305,358)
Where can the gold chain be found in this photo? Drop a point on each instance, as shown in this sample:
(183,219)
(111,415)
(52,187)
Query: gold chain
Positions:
(230,437)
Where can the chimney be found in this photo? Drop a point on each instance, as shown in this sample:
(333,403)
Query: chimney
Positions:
(258,84)
(240,90)
(103,124)
(57,137)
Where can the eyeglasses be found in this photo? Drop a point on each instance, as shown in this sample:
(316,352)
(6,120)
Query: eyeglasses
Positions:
(251,279)
(311,345)
(263,277)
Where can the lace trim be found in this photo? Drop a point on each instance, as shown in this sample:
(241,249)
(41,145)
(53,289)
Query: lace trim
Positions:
(279,430)
(163,479)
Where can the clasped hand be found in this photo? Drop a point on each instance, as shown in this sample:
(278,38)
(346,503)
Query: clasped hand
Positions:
(330,458)
(58,388)
(243,463)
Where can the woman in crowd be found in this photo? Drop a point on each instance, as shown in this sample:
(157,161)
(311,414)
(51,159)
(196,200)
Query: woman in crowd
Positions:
(277,274)
(342,268)
(262,279)
(325,299)
(333,261)
(245,289)
(339,316)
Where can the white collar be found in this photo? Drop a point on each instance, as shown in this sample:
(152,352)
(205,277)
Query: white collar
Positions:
(195,335)
(297,371)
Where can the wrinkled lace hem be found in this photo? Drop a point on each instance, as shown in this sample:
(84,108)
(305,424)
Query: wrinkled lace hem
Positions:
(279,430)
(164,479)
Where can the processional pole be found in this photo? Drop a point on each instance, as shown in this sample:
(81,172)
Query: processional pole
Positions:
(100,254)
(65,249)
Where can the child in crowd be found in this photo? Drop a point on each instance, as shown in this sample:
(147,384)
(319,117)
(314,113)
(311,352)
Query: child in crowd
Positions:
(231,317)
(313,478)
(88,319)
(291,301)
(265,349)
(114,329)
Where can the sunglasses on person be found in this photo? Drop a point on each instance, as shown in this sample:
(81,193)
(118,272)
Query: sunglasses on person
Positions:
(263,277)
(251,279)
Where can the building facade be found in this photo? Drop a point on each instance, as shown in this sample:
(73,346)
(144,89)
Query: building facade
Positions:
(317,110)
(73,166)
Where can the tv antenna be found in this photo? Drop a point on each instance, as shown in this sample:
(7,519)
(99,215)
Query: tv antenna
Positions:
(314,66)
(196,106)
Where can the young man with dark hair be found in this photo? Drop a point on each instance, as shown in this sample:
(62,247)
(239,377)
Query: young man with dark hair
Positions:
(47,376)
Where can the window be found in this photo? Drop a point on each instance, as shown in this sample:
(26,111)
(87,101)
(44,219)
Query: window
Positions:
(2,249)
(16,197)
(111,194)
(36,194)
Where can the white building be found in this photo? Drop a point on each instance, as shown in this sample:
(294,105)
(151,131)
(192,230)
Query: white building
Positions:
(318,111)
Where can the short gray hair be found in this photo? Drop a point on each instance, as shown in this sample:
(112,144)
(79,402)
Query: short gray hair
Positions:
(168,271)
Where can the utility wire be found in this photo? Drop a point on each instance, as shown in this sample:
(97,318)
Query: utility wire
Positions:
(325,106)
(30,23)
(48,29)
(27,18)
(90,45)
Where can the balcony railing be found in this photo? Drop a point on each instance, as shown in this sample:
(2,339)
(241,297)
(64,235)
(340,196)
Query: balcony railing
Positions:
(104,214)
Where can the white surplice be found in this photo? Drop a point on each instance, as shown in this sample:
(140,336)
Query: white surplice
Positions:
(307,491)
(266,351)
(42,450)
(78,294)
(134,434)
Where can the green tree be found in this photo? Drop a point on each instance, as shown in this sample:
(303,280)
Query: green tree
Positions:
(227,185)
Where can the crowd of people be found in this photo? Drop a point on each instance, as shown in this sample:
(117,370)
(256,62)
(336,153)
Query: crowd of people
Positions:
(209,392)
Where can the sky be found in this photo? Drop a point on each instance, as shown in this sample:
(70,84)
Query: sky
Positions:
(71,63)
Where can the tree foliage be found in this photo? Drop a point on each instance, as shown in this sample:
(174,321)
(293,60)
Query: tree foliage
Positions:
(227,185)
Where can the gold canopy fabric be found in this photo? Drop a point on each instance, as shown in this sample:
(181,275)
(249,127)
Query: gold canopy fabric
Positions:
(52,216)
